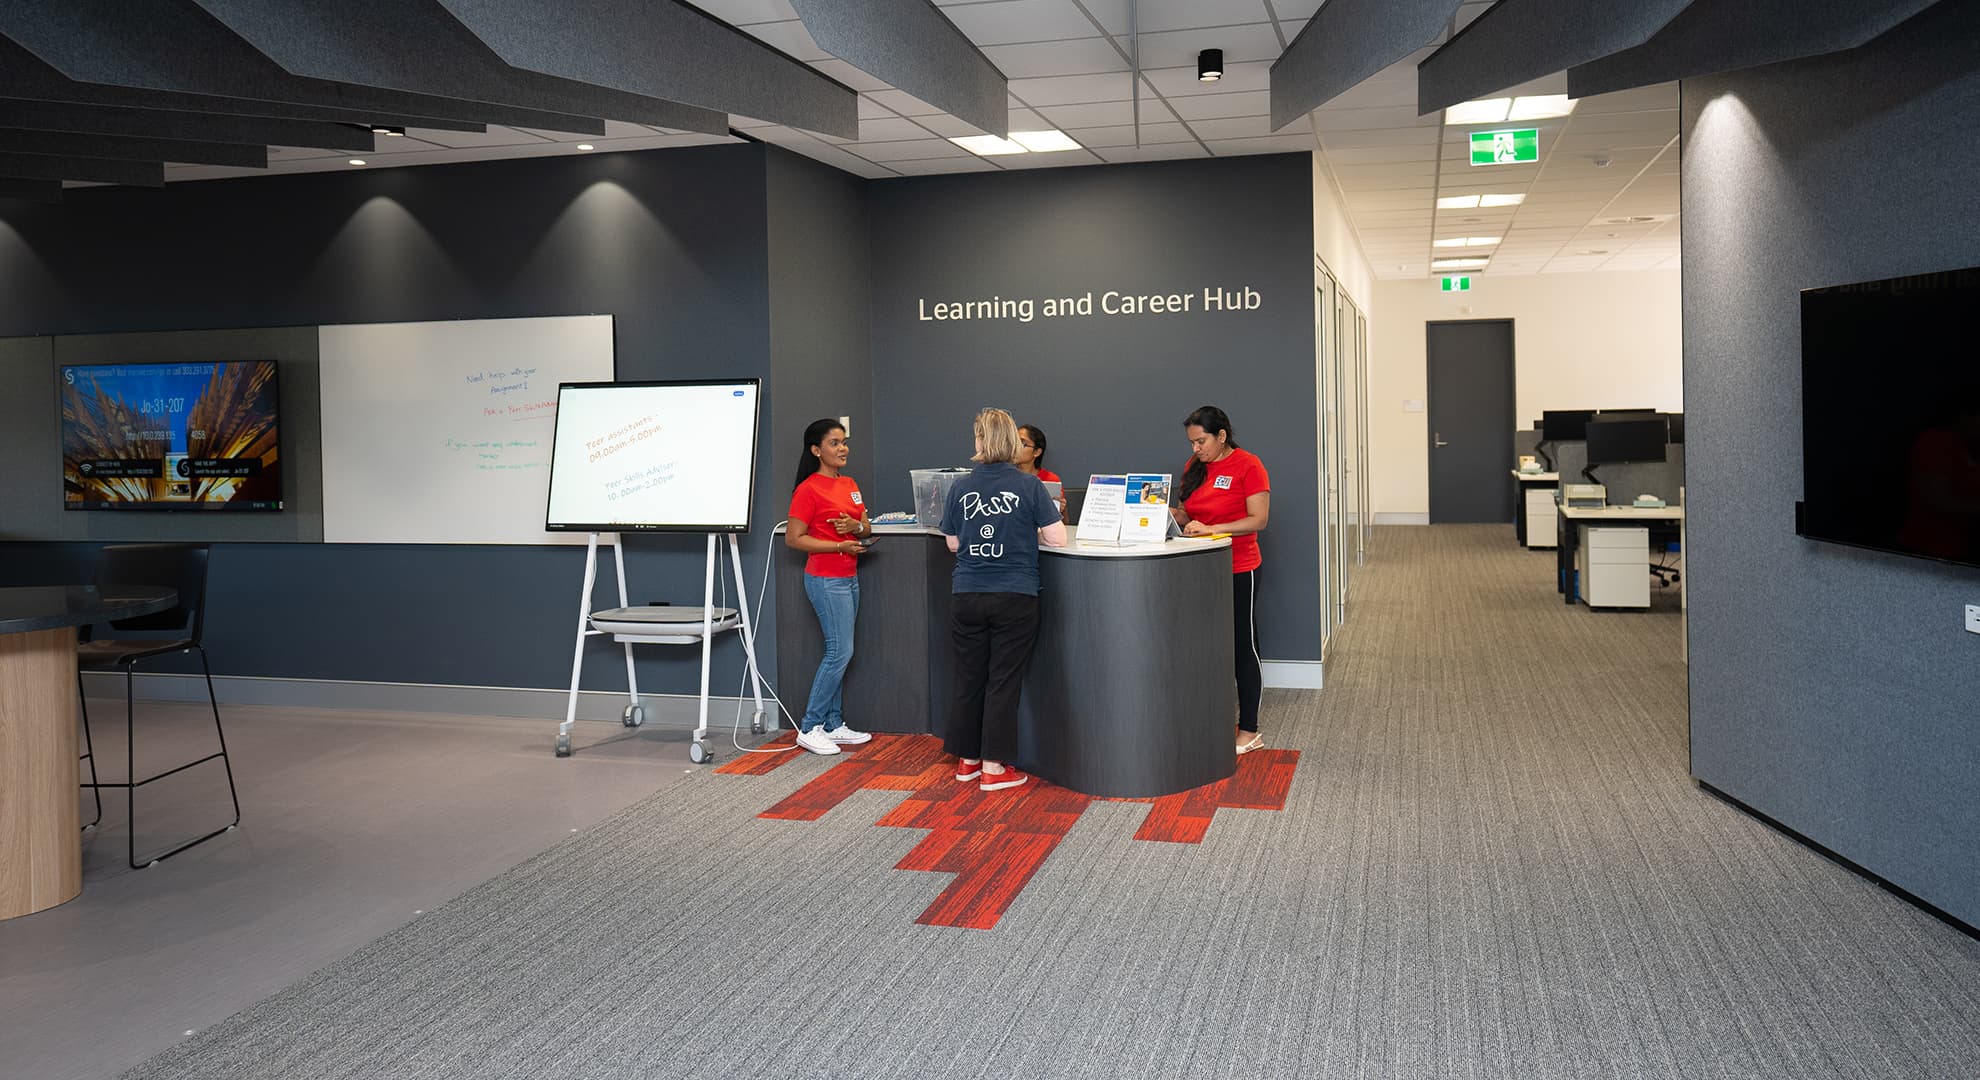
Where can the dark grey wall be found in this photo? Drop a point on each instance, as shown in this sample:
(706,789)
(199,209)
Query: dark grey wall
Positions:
(671,243)
(1110,391)
(821,348)
(1831,689)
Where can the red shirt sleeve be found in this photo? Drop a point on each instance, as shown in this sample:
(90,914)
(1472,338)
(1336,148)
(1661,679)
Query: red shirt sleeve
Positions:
(803,503)
(1255,480)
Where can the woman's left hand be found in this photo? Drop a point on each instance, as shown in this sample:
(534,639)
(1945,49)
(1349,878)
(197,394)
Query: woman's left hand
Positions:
(846,524)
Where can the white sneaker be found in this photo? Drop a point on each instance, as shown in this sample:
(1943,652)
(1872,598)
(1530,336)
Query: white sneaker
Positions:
(844,735)
(817,742)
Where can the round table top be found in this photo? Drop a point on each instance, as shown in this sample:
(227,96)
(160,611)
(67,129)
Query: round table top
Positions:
(50,607)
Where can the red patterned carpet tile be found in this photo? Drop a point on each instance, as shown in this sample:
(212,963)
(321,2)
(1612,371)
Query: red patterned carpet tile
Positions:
(758,764)
(995,841)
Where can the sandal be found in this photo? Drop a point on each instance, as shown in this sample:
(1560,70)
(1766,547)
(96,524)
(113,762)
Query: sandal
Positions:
(1256,742)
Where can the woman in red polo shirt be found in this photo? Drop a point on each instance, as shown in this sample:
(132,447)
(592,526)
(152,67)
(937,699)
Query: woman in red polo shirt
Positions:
(1031,459)
(1225,490)
(827,520)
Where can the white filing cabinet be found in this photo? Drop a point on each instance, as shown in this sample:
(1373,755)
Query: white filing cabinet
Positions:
(1615,566)
(1541,522)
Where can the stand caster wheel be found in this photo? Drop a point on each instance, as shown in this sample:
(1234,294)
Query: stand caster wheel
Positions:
(563,746)
(699,753)
(634,716)
(756,724)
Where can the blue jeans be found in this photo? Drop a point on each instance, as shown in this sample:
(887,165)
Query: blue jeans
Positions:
(837,602)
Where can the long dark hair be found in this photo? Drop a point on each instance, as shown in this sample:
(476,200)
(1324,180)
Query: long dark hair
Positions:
(814,436)
(1212,420)
(1037,437)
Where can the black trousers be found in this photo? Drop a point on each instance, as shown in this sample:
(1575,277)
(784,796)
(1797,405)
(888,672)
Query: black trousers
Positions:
(993,634)
(1244,629)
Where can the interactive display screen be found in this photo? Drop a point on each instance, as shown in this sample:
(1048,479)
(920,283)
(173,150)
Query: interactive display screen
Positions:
(656,456)
(170,436)
(1890,415)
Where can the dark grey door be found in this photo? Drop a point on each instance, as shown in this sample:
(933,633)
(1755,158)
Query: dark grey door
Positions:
(1471,420)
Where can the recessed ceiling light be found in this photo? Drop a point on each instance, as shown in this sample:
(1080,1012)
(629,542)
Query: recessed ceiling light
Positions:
(381,129)
(1501,200)
(987,145)
(1465,241)
(1044,142)
(1482,111)
(1637,219)
(1457,202)
(586,146)
(357,161)
(1540,107)
(1458,264)
(1594,251)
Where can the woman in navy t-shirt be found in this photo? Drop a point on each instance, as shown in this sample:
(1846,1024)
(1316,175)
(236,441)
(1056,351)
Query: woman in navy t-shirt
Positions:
(994,521)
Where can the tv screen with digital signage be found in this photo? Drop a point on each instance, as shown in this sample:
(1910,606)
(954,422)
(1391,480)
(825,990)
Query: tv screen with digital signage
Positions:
(1890,416)
(170,436)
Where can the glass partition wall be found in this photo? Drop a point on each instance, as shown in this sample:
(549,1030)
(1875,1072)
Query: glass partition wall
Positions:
(1340,360)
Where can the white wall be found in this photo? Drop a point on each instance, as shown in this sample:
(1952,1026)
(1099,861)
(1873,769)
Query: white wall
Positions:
(1581,341)
(1334,241)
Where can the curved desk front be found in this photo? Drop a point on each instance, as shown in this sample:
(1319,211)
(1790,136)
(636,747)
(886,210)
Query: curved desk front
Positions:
(1130,693)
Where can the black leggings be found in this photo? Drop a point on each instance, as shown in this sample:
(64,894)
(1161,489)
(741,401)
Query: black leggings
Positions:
(1244,628)
(993,634)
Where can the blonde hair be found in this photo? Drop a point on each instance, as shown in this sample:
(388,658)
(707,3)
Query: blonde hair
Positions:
(998,434)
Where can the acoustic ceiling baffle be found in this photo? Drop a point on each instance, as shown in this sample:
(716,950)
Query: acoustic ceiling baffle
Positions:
(1345,42)
(99,170)
(664,49)
(132,148)
(41,191)
(1517,41)
(1712,36)
(913,45)
(417,47)
(173,49)
(197,127)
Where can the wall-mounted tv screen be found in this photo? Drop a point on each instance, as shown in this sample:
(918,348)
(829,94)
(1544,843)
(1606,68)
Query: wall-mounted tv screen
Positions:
(1890,415)
(197,435)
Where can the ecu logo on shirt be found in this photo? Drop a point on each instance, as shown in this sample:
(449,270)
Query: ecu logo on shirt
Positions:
(1222,483)
(857,501)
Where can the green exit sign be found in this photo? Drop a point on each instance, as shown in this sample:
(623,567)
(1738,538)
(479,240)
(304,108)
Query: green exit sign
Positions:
(1505,147)
(1457,284)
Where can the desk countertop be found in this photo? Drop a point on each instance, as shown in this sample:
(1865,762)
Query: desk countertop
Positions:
(1086,549)
(1623,513)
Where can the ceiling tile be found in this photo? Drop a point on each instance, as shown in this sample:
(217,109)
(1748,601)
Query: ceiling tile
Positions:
(1213,106)
(789,37)
(1074,89)
(904,103)
(1007,21)
(1182,81)
(1257,41)
(1124,136)
(966,163)
(1083,56)
(907,150)
(739,12)
(1273,144)
(1104,114)
(1162,152)
(1237,127)
(892,129)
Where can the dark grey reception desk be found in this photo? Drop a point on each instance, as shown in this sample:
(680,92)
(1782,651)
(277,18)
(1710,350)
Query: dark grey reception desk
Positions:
(1130,692)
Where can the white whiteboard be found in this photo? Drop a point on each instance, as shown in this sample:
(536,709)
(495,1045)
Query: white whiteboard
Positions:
(662,456)
(439,432)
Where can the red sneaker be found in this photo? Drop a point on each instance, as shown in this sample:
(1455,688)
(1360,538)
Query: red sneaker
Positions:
(967,770)
(1009,778)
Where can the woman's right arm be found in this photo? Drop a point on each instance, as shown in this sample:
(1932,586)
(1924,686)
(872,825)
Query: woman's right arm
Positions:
(1053,535)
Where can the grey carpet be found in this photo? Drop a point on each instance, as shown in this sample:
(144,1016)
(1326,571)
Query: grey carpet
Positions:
(1492,864)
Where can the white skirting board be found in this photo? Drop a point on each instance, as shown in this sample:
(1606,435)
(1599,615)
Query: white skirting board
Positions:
(1402,519)
(674,710)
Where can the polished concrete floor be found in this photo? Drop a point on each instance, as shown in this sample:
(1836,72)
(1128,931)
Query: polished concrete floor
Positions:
(352,824)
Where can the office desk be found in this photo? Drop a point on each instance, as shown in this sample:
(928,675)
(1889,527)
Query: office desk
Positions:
(1120,699)
(1573,520)
(40,833)
(1533,511)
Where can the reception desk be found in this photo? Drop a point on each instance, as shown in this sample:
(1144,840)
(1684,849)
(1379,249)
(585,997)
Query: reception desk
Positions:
(1130,692)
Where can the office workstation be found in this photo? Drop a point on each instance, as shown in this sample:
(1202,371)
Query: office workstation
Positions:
(1609,549)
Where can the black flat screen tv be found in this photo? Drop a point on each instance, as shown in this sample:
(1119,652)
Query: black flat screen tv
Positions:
(1565,425)
(1616,442)
(172,436)
(1890,416)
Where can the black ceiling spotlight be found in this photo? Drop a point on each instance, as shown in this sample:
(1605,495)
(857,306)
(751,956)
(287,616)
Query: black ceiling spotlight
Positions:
(381,129)
(1210,65)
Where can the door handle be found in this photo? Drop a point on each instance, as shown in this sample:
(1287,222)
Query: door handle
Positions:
(1439,439)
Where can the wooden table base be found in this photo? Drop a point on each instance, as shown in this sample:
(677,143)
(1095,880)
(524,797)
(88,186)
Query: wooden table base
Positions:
(40,841)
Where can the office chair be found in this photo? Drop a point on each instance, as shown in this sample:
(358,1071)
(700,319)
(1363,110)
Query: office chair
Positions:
(1665,575)
(179,629)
